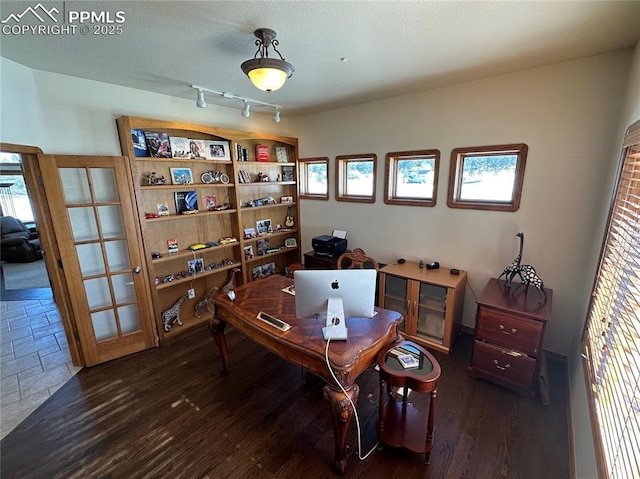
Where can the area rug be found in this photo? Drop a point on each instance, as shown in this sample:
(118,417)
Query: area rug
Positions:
(25,275)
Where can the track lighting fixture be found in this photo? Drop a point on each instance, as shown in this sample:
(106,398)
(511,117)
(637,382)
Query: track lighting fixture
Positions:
(268,74)
(201,102)
(247,102)
(246,110)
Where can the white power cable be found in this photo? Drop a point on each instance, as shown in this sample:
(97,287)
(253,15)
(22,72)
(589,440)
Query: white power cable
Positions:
(326,356)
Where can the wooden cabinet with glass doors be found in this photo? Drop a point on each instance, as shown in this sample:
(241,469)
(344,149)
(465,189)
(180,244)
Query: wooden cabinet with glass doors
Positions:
(196,248)
(431,302)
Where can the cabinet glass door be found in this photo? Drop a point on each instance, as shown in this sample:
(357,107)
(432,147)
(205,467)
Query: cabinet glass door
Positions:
(431,311)
(395,297)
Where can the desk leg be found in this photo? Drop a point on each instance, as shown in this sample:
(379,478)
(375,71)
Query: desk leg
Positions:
(342,412)
(216,328)
(432,406)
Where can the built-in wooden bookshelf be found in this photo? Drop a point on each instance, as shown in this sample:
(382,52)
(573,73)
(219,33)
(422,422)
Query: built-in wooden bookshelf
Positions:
(256,195)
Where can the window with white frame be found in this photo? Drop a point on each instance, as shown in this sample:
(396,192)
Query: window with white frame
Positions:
(411,177)
(611,337)
(356,178)
(314,178)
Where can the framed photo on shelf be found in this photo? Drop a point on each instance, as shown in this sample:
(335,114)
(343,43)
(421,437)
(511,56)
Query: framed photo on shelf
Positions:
(248,252)
(196,265)
(263,245)
(291,243)
(181,176)
(249,233)
(263,227)
(218,150)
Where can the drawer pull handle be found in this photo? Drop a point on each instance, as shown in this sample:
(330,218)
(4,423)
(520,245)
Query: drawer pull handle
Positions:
(501,368)
(502,330)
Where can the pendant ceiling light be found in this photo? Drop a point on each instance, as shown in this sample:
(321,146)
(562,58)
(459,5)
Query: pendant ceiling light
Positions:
(268,74)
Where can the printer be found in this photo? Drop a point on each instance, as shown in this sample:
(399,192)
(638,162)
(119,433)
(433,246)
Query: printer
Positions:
(329,245)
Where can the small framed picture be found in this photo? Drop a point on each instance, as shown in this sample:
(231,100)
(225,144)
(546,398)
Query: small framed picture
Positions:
(248,252)
(249,233)
(181,176)
(196,265)
(291,243)
(218,150)
(263,227)
(286,199)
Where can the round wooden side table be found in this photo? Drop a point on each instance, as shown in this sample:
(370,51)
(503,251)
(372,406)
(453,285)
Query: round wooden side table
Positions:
(400,424)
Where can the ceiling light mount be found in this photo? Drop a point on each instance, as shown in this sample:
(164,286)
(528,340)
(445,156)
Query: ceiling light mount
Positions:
(267,74)
(247,102)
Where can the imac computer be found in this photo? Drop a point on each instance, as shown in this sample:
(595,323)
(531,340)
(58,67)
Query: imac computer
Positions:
(333,296)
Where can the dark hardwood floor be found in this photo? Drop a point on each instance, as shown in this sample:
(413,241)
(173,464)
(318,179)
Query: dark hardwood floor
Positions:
(166,413)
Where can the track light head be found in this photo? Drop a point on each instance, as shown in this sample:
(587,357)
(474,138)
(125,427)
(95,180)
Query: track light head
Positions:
(246,111)
(201,102)
(276,116)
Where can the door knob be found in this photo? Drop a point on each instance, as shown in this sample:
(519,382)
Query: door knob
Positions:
(137,270)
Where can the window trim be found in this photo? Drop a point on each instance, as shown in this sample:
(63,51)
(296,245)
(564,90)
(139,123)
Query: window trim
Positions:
(303,178)
(391,173)
(620,329)
(455,177)
(341,179)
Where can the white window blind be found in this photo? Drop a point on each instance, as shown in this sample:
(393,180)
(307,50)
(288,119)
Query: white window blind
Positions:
(611,339)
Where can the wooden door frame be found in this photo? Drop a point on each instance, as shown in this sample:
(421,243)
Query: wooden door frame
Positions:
(48,241)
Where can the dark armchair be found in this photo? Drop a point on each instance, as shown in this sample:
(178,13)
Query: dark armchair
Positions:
(17,243)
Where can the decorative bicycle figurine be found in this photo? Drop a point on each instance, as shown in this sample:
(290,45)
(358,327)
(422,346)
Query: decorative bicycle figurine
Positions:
(214,177)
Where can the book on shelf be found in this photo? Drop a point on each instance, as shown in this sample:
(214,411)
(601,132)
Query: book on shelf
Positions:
(179,147)
(172,245)
(243,176)
(281,154)
(139,143)
(158,144)
(186,201)
(262,153)
(287,173)
(197,149)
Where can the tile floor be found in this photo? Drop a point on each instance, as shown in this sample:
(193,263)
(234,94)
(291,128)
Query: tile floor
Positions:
(35,360)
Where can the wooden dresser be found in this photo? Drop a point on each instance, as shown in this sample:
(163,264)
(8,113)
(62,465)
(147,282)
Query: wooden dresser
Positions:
(509,333)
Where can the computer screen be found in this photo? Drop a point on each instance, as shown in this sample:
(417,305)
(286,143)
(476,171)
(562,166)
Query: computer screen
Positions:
(355,287)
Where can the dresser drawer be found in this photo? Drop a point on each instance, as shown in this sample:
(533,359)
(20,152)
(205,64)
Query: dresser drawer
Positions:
(514,332)
(501,364)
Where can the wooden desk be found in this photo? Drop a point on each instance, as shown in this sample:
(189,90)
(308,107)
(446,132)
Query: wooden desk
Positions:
(303,344)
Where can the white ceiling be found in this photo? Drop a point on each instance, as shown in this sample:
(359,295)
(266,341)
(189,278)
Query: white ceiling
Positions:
(391,47)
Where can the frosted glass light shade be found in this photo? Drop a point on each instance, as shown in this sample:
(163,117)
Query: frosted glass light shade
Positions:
(268,79)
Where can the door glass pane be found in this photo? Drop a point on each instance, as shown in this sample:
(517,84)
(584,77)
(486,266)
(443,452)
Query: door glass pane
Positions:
(129,319)
(97,291)
(104,184)
(395,297)
(90,258)
(111,221)
(117,255)
(104,325)
(123,288)
(75,185)
(431,311)
(83,224)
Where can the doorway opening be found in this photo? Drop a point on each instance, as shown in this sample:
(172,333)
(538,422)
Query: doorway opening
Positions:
(23,272)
